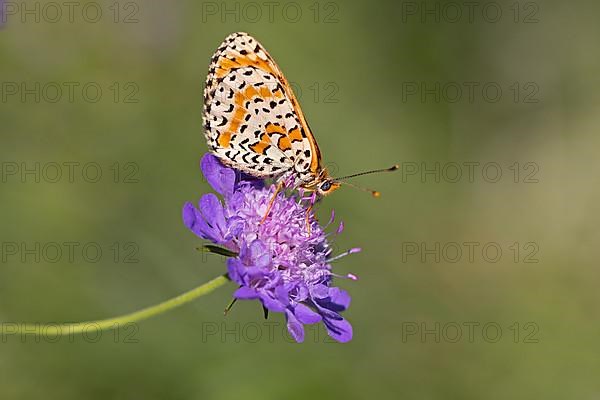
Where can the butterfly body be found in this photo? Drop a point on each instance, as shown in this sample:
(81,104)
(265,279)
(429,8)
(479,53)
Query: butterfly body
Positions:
(252,119)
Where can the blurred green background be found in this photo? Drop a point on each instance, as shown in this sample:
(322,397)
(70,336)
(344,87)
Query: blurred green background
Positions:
(378,82)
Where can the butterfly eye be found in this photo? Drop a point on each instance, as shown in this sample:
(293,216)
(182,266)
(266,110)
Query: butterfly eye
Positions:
(326,186)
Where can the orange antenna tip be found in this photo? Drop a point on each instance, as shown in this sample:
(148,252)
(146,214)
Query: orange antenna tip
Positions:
(374,193)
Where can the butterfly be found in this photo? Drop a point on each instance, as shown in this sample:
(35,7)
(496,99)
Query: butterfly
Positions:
(253,121)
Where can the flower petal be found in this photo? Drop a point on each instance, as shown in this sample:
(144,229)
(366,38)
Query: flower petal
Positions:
(283,294)
(197,224)
(188,215)
(246,293)
(213,214)
(235,225)
(271,303)
(319,291)
(339,329)
(306,315)
(233,270)
(327,304)
(221,178)
(295,328)
(340,298)
(260,254)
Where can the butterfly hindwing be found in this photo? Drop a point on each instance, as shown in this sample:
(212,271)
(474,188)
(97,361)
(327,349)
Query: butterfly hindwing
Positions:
(252,119)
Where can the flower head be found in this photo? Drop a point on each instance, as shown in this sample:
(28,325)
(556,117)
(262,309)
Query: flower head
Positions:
(279,261)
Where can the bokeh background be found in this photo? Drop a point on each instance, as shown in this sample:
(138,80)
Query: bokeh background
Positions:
(378,82)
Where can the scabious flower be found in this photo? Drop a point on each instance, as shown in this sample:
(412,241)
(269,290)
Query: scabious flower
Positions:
(279,262)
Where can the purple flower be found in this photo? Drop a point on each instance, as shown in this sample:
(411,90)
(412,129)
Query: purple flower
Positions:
(278,262)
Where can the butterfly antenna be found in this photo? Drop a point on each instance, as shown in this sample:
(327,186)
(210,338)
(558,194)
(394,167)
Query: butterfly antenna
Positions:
(374,193)
(375,171)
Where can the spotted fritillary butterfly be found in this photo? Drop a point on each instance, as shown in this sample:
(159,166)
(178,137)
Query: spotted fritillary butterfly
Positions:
(253,121)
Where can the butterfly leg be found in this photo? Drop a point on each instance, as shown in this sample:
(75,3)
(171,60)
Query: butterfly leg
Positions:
(308,210)
(313,200)
(280,186)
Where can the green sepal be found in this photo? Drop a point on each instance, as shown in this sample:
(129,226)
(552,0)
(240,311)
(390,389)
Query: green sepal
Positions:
(210,248)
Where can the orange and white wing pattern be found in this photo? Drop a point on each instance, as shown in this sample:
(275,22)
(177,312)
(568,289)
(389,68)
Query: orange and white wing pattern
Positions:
(252,119)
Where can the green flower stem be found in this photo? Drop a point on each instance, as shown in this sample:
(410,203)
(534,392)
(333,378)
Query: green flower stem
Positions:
(104,324)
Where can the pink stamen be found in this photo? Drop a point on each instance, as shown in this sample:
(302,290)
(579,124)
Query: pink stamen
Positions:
(344,254)
(347,276)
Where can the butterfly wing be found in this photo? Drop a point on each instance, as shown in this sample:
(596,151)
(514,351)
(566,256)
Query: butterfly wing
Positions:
(252,119)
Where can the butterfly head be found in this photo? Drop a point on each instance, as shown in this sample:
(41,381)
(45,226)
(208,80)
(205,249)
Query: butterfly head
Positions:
(324,184)
(327,186)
